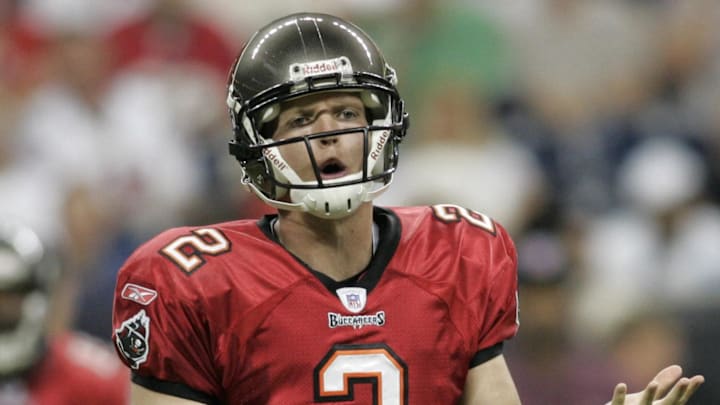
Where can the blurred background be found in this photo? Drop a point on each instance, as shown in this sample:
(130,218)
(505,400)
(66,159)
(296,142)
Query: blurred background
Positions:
(589,129)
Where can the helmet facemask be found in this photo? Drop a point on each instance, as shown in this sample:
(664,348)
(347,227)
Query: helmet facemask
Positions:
(274,179)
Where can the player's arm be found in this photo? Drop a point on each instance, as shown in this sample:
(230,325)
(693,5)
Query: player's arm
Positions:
(490,383)
(488,253)
(143,396)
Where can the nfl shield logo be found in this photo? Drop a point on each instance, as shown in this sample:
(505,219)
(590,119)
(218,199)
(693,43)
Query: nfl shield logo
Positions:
(353,298)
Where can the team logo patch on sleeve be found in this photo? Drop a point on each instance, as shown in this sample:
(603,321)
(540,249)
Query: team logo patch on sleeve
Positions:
(139,294)
(132,337)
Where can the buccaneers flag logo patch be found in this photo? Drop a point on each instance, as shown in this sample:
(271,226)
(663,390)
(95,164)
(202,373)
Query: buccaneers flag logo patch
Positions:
(131,339)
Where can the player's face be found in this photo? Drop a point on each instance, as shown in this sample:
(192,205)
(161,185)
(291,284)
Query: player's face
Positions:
(336,156)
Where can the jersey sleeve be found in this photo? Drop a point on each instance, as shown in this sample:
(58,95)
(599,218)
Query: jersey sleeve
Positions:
(160,328)
(497,301)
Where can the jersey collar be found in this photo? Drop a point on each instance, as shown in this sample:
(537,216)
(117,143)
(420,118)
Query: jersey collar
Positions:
(389,231)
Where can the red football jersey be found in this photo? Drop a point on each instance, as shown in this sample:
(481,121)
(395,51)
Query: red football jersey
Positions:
(224,314)
(75,370)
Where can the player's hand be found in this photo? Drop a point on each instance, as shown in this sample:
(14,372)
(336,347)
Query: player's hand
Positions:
(668,387)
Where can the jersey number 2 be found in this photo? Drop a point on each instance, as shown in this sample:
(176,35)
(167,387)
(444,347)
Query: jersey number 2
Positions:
(347,365)
(453,213)
(187,251)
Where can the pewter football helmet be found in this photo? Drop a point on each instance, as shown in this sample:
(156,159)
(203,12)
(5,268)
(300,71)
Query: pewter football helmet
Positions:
(299,55)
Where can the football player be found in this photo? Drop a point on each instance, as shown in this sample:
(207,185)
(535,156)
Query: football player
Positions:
(333,299)
(36,367)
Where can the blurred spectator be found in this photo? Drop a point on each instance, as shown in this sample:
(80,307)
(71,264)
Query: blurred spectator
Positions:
(459,58)
(579,60)
(22,48)
(168,34)
(26,190)
(178,58)
(549,364)
(578,65)
(459,42)
(661,246)
(647,339)
(41,363)
(240,20)
(65,146)
(463,156)
(432,42)
(100,142)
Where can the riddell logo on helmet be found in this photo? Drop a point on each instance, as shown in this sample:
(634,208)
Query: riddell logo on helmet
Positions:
(299,71)
(320,67)
(375,154)
(272,156)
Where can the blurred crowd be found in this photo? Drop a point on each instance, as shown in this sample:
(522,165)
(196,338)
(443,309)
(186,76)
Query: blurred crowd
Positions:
(590,129)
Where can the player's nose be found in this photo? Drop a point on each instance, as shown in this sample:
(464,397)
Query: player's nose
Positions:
(326,123)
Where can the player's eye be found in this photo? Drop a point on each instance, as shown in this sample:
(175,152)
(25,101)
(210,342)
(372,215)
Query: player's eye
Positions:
(348,114)
(298,121)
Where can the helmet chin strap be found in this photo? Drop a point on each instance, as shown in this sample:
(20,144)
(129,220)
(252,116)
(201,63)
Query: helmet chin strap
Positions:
(312,202)
(332,202)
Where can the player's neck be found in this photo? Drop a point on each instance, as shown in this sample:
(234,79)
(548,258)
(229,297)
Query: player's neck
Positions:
(338,248)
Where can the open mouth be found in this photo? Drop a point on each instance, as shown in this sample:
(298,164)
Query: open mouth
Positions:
(332,169)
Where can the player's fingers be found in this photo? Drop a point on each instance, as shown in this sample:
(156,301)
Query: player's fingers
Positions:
(619,393)
(693,385)
(650,393)
(666,379)
(677,392)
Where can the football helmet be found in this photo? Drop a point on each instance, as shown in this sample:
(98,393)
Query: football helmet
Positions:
(26,277)
(299,55)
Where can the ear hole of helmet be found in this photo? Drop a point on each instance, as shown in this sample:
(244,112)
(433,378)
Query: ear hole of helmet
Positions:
(376,106)
(267,129)
(260,173)
(266,120)
(256,171)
